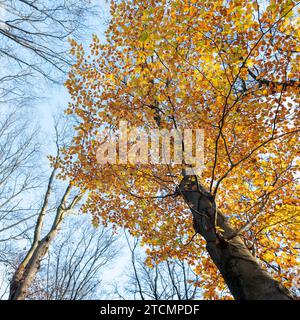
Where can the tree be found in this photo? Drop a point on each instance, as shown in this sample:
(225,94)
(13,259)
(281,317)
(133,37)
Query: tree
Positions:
(34,200)
(230,69)
(74,265)
(57,202)
(172,279)
(19,178)
(34,34)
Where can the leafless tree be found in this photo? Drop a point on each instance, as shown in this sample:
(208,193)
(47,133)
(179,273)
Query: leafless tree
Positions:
(32,212)
(73,267)
(33,42)
(19,178)
(4,284)
(59,199)
(172,279)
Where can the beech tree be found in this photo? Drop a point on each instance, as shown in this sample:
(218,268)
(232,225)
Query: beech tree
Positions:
(230,68)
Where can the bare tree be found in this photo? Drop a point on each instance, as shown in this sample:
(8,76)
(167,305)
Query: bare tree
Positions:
(32,212)
(4,284)
(29,266)
(59,199)
(34,36)
(173,279)
(19,150)
(73,267)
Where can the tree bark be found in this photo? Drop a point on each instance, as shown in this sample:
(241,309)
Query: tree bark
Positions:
(243,275)
(28,268)
(26,272)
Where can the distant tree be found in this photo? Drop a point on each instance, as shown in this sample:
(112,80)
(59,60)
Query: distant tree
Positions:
(73,268)
(57,201)
(173,279)
(34,36)
(19,177)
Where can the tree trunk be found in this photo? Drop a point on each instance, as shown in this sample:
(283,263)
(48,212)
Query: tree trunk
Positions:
(28,268)
(26,272)
(243,275)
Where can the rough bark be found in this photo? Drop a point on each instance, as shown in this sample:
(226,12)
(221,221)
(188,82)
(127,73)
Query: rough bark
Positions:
(243,275)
